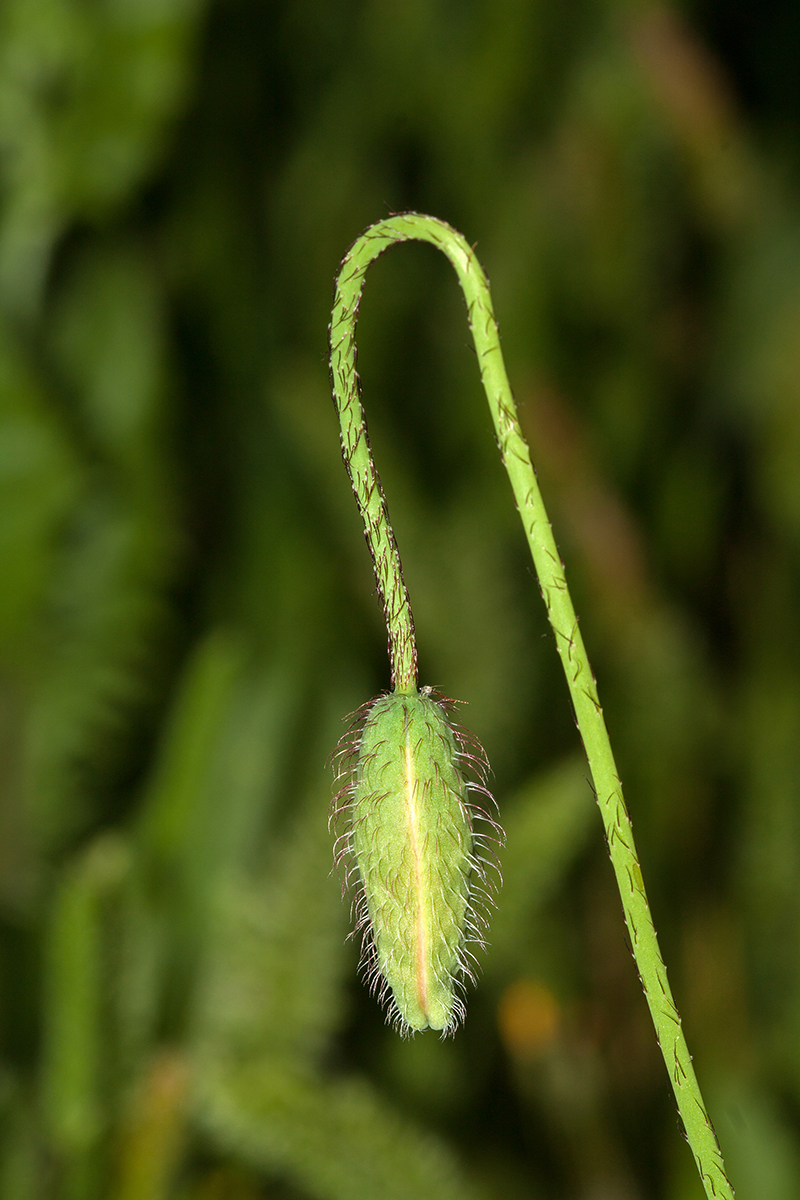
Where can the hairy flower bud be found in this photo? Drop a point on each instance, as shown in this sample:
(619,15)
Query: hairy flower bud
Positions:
(409,840)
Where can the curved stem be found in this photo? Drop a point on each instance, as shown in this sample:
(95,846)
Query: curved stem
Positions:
(553,584)
(357,453)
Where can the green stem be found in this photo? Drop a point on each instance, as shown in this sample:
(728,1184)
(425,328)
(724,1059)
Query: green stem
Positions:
(357,453)
(553,584)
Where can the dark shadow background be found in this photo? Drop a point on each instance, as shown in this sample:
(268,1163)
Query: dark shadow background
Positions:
(187,610)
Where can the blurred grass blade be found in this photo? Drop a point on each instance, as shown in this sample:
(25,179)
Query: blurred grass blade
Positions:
(334,1140)
(153,1135)
(76,1074)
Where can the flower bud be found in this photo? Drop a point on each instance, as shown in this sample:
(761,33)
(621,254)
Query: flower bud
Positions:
(410,842)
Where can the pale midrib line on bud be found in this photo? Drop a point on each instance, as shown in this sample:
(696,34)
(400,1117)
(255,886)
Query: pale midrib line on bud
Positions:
(410,795)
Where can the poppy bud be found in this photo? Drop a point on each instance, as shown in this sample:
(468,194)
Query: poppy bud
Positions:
(411,848)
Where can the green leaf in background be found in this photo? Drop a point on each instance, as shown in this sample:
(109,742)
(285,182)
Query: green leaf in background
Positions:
(185,601)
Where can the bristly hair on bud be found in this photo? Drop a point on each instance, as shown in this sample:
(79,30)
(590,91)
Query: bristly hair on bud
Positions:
(414,845)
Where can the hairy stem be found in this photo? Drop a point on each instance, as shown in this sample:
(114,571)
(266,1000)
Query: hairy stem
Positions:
(357,453)
(553,584)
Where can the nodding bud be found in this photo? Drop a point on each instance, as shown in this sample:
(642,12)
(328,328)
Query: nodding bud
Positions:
(407,836)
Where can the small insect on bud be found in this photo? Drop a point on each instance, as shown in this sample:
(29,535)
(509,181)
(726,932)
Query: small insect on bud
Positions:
(409,846)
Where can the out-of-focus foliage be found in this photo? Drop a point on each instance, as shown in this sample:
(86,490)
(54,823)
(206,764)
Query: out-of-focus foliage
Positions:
(187,609)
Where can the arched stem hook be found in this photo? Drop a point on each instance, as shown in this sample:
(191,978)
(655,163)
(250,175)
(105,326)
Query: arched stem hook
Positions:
(552,581)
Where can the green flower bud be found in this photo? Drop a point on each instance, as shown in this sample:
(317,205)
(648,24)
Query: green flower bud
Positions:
(410,845)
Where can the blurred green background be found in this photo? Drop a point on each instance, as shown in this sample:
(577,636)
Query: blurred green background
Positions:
(187,610)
